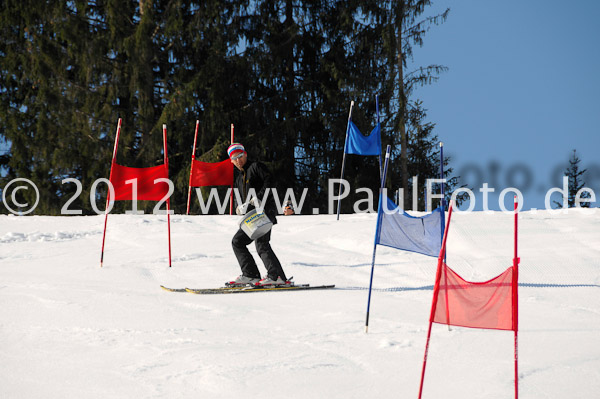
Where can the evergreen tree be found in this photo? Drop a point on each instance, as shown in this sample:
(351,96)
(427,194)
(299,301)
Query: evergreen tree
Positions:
(423,154)
(576,183)
(404,26)
(310,63)
(283,71)
(44,98)
(70,70)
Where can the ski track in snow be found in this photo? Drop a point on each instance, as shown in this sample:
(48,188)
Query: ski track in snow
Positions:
(70,328)
(12,237)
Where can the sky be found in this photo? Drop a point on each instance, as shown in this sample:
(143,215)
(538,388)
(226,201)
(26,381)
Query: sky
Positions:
(522,91)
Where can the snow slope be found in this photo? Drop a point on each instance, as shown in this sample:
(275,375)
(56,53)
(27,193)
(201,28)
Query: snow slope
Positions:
(71,329)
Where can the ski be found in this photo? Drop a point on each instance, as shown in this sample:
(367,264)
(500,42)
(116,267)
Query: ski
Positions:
(172,289)
(208,289)
(229,289)
(226,288)
(235,290)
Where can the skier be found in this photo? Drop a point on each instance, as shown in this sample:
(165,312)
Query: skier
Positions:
(253,174)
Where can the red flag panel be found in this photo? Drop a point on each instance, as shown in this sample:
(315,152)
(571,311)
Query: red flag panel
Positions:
(477,305)
(146,188)
(211,174)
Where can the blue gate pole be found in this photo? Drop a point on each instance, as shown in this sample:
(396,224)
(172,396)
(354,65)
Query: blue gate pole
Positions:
(387,157)
(378,124)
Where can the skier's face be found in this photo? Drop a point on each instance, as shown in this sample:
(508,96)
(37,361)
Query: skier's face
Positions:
(240,162)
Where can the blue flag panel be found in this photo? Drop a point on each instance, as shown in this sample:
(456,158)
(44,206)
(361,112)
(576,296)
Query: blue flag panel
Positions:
(358,144)
(400,230)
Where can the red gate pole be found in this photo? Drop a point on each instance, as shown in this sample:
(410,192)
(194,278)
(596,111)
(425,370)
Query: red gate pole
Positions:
(231,194)
(516,262)
(114,159)
(426,353)
(436,289)
(187,212)
(168,199)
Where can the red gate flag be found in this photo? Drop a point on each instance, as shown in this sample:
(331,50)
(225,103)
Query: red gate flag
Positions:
(146,188)
(493,304)
(138,184)
(211,174)
(476,305)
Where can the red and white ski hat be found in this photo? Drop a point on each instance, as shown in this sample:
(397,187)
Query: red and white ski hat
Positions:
(235,150)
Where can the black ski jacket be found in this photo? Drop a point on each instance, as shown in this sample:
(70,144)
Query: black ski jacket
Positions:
(256,175)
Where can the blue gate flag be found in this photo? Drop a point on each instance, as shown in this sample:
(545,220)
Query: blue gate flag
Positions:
(358,144)
(398,229)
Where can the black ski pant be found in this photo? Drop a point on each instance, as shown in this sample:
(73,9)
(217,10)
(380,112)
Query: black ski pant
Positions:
(240,244)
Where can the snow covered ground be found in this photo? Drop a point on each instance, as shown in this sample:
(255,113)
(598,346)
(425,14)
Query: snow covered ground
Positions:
(71,329)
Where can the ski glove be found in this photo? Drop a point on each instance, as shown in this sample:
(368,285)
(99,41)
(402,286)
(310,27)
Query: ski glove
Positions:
(243,208)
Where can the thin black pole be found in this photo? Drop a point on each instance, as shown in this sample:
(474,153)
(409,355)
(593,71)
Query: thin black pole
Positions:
(442,225)
(443,189)
(344,159)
